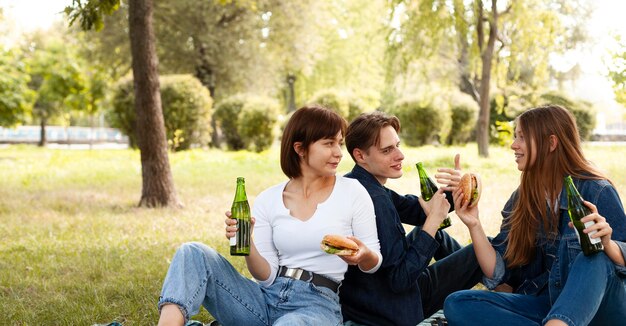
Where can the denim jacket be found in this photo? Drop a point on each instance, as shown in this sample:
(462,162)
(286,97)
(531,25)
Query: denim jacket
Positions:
(555,253)
(390,296)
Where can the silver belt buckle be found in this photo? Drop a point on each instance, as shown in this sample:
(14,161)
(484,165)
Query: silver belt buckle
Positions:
(294,273)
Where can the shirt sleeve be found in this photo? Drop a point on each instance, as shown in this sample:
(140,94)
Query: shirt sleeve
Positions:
(498,273)
(364,222)
(408,208)
(610,207)
(499,243)
(403,260)
(262,235)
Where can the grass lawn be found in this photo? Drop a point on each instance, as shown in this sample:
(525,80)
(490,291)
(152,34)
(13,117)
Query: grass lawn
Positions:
(76,250)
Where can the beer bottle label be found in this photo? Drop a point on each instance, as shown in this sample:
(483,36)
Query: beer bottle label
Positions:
(592,240)
(233,240)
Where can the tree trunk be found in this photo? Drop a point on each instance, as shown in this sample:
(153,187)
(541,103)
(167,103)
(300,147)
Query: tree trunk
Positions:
(465,77)
(158,185)
(291,79)
(482,125)
(42,133)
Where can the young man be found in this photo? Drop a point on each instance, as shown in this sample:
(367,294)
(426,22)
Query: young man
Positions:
(405,289)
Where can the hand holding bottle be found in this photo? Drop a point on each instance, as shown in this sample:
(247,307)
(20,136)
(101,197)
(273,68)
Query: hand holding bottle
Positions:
(436,210)
(600,229)
(428,190)
(231,225)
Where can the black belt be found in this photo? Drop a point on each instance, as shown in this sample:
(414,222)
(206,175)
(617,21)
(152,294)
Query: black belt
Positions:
(303,275)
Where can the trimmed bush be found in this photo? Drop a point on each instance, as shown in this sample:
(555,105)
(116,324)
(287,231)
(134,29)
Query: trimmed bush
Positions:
(227,119)
(186,107)
(422,121)
(247,121)
(346,103)
(463,112)
(257,122)
(332,99)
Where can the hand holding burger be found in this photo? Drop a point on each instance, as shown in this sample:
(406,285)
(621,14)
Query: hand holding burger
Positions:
(339,245)
(471,186)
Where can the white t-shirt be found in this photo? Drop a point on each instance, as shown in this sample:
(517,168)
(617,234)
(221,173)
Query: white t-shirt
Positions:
(284,240)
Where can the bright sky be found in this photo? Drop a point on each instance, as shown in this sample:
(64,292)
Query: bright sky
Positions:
(28,15)
(32,14)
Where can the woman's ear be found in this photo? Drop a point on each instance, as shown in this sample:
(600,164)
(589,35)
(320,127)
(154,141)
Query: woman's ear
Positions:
(554,142)
(297,147)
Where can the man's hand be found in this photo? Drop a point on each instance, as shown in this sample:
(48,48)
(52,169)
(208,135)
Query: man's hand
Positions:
(436,210)
(450,178)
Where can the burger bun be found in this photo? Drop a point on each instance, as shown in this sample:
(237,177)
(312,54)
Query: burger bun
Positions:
(472,188)
(339,245)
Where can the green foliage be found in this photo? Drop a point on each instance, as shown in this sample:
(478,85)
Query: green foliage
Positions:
(247,121)
(617,72)
(332,99)
(422,120)
(186,110)
(355,108)
(56,74)
(257,123)
(346,103)
(226,118)
(503,108)
(463,111)
(15,96)
(90,12)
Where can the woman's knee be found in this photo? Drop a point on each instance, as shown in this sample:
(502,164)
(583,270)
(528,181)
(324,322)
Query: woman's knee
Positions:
(455,302)
(599,263)
(198,251)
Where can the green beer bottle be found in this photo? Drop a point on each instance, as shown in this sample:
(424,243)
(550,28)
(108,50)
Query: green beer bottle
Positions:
(240,243)
(428,189)
(577,210)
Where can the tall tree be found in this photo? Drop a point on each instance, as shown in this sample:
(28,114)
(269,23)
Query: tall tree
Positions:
(15,96)
(55,76)
(158,185)
(491,43)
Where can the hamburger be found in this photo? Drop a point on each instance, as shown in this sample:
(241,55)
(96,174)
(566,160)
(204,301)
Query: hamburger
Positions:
(472,187)
(339,245)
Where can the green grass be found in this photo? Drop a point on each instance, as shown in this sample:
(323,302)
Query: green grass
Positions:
(76,250)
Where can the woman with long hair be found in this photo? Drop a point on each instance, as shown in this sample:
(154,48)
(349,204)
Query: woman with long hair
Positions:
(537,252)
(296,282)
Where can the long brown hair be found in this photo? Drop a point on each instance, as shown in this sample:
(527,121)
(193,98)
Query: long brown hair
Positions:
(542,180)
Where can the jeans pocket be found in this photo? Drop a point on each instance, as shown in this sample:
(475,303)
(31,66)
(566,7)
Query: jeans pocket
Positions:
(325,292)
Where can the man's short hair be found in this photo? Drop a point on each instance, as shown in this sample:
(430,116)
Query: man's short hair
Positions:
(364,131)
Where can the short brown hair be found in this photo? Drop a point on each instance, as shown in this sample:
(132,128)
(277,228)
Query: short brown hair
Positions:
(307,125)
(364,130)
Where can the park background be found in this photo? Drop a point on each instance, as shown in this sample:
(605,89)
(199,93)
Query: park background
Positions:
(76,246)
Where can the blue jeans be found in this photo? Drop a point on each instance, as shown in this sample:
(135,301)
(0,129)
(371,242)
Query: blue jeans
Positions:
(593,295)
(198,275)
(456,268)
